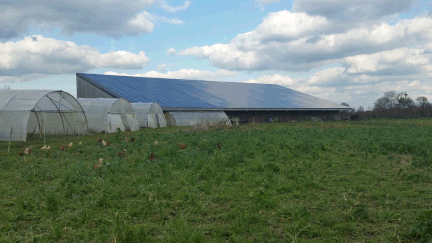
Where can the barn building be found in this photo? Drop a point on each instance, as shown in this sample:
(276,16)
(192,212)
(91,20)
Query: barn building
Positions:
(247,102)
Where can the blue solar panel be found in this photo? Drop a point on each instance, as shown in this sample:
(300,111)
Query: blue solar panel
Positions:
(179,93)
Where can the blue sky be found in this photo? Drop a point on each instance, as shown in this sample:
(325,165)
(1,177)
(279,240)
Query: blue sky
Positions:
(344,51)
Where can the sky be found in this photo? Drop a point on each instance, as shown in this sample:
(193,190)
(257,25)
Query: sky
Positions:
(350,51)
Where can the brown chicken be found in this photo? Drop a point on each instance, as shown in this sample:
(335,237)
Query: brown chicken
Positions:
(182,145)
(28,150)
(98,164)
(119,154)
(132,140)
(108,143)
(99,140)
(152,157)
(218,144)
(124,152)
(20,154)
(62,148)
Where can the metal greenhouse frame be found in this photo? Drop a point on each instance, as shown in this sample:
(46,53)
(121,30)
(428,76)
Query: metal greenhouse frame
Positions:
(109,114)
(32,111)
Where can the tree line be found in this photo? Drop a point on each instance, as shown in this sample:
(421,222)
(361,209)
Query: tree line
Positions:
(396,105)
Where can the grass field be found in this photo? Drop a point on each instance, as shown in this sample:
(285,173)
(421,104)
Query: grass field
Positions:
(368,181)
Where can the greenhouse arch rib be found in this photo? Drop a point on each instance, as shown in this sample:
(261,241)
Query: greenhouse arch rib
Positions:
(56,107)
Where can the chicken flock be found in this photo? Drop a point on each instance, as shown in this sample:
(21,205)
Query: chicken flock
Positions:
(98,164)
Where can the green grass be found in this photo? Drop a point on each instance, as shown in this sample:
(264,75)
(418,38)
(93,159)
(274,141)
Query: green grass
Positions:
(368,181)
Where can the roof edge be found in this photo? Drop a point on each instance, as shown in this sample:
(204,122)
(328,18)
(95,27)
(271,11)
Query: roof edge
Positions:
(103,88)
(255,109)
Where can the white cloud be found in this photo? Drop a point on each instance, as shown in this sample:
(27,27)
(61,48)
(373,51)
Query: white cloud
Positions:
(398,61)
(144,22)
(172,9)
(141,23)
(274,79)
(162,67)
(299,42)
(283,25)
(36,55)
(171,52)
(103,17)
(181,74)
(352,10)
(328,76)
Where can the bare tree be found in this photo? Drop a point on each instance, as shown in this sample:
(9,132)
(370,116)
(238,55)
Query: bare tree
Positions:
(360,109)
(388,101)
(6,87)
(422,101)
(404,101)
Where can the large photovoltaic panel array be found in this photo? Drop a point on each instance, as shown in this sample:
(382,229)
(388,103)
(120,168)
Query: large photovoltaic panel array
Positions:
(183,94)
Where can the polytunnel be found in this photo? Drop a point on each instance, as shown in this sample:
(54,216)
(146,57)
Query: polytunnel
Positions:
(109,114)
(149,114)
(32,111)
(191,118)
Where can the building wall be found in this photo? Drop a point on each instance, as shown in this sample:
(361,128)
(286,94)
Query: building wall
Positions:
(283,116)
(86,89)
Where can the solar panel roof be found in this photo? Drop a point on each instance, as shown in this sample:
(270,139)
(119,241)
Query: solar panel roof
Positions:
(194,94)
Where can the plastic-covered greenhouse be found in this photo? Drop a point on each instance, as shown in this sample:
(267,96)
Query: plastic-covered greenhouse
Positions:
(191,118)
(31,111)
(149,114)
(109,114)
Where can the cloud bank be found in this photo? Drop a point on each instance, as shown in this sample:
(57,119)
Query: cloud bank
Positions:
(36,55)
(102,17)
